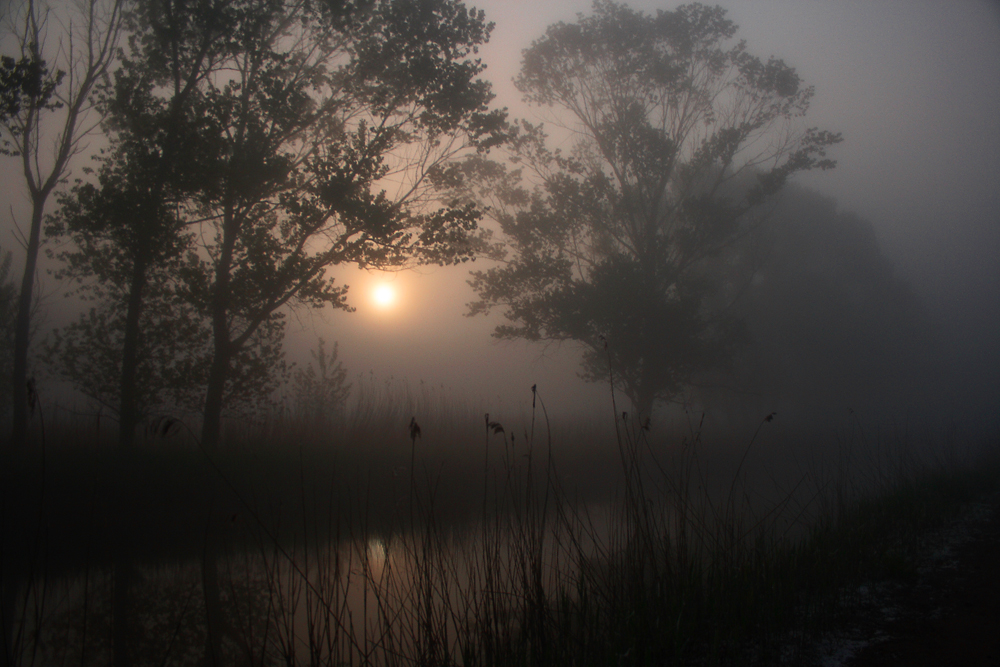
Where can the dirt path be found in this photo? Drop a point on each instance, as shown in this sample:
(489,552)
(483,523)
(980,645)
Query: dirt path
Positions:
(950,614)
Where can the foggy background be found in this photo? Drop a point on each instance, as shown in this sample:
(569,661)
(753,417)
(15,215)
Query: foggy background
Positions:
(913,86)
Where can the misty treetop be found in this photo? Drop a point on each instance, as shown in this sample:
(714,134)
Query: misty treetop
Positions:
(680,135)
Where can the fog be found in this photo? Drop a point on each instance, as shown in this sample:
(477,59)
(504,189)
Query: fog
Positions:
(911,88)
(788,391)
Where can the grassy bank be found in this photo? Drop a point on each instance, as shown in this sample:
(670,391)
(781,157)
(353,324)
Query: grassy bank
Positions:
(478,543)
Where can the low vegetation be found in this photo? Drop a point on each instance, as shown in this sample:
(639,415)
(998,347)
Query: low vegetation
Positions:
(469,540)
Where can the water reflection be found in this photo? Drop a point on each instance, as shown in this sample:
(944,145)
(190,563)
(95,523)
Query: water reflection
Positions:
(414,574)
(418,595)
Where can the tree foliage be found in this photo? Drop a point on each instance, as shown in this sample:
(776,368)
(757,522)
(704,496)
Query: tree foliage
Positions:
(679,135)
(322,157)
(26,86)
(831,324)
(150,348)
(255,143)
(45,104)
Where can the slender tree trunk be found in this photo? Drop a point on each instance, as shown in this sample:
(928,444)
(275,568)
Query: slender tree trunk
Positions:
(643,404)
(100,39)
(215,628)
(649,381)
(211,427)
(645,408)
(22,326)
(128,407)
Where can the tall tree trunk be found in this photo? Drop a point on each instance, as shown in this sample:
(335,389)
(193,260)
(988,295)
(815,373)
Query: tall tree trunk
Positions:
(22,326)
(211,430)
(644,409)
(100,47)
(650,380)
(128,413)
(211,426)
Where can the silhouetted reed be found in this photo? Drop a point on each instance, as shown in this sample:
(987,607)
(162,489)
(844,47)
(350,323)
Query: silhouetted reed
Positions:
(458,540)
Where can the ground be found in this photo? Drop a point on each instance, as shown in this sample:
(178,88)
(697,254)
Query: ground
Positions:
(947,614)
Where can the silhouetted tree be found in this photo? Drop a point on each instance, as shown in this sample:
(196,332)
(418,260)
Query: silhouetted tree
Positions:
(830,323)
(172,356)
(148,347)
(679,136)
(328,117)
(44,114)
(125,236)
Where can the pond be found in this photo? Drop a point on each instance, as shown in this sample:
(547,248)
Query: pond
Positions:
(179,562)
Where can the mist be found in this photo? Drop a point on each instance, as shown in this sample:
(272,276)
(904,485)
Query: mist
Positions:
(909,91)
(849,340)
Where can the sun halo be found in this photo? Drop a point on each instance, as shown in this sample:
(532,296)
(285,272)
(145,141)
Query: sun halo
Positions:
(384,296)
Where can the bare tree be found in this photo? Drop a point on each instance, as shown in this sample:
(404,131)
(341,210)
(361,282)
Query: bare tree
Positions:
(45,115)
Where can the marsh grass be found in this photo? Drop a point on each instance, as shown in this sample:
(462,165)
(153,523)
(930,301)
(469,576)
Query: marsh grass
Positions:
(361,543)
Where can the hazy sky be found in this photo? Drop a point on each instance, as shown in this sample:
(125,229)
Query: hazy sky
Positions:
(913,85)
(915,89)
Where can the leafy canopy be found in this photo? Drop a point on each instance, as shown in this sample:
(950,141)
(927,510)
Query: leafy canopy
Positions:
(678,136)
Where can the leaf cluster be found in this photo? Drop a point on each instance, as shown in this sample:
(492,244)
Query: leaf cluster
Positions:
(27,86)
(311,136)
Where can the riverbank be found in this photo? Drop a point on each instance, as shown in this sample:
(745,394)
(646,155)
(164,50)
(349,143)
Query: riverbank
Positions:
(945,612)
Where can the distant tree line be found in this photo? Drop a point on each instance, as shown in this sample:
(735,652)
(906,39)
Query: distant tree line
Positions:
(829,325)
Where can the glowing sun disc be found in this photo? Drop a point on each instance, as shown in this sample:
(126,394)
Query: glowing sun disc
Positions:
(384,296)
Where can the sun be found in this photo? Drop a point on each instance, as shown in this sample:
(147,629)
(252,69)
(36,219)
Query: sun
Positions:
(384,296)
